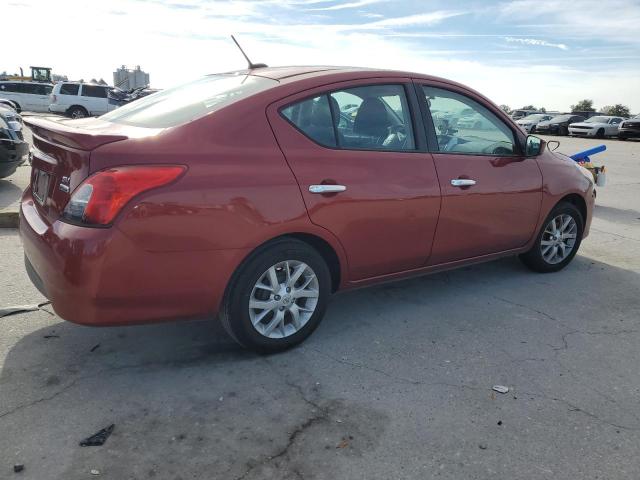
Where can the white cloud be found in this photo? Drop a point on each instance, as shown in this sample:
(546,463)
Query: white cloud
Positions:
(613,20)
(177,44)
(535,41)
(342,6)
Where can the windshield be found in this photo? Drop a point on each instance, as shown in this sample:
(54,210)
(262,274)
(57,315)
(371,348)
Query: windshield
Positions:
(190,101)
(597,120)
(560,118)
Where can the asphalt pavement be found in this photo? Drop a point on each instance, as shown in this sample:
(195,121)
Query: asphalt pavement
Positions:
(396,383)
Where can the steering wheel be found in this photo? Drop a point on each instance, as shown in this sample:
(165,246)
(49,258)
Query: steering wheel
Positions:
(397,137)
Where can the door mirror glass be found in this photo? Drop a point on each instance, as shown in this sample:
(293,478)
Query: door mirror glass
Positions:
(534,146)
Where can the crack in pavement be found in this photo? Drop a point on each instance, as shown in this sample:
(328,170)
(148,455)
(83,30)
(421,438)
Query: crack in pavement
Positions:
(321,414)
(616,235)
(105,371)
(573,407)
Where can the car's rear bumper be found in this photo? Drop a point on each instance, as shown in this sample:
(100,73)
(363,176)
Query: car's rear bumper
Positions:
(98,276)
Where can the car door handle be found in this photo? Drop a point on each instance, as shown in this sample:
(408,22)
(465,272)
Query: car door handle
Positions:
(462,182)
(327,188)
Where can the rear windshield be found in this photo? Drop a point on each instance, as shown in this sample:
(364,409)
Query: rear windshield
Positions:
(187,102)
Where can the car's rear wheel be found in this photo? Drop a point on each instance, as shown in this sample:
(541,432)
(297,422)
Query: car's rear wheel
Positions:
(533,130)
(558,241)
(16,106)
(77,112)
(277,297)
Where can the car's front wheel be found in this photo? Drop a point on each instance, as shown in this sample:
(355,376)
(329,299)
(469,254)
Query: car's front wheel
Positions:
(277,297)
(558,241)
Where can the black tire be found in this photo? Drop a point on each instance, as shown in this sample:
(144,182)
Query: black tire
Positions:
(600,133)
(534,259)
(533,130)
(77,112)
(16,105)
(622,138)
(234,313)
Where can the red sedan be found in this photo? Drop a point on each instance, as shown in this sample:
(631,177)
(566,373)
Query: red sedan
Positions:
(256,194)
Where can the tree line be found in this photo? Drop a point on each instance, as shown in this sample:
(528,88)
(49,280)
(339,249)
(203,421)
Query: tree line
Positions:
(586,105)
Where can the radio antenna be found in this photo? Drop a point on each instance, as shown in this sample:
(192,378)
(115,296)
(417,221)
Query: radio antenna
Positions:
(251,65)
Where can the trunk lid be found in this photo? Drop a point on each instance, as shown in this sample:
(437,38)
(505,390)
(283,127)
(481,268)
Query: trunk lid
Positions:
(61,157)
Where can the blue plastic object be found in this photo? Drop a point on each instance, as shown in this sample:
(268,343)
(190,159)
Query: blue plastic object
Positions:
(584,155)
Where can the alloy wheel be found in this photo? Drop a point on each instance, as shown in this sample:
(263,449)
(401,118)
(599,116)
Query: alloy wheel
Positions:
(284,299)
(559,238)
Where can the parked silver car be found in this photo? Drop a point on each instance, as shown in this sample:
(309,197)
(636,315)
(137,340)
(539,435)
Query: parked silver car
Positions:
(529,123)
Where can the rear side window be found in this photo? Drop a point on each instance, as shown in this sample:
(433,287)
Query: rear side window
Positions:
(69,89)
(8,87)
(94,91)
(190,101)
(313,117)
(374,117)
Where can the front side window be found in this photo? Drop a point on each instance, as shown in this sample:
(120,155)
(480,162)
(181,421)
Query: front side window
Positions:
(94,91)
(69,89)
(465,126)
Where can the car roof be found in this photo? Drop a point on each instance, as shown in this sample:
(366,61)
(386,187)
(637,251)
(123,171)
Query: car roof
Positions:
(286,74)
(83,83)
(25,81)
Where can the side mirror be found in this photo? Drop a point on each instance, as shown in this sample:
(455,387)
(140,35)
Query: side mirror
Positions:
(534,146)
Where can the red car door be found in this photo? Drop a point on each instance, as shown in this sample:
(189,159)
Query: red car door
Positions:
(491,192)
(363,170)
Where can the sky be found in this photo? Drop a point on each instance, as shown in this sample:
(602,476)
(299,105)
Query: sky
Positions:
(548,53)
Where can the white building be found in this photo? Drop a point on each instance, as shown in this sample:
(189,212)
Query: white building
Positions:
(126,78)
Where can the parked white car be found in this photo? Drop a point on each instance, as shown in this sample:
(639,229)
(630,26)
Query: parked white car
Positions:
(599,126)
(29,96)
(79,100)
(474,122)
(528,123)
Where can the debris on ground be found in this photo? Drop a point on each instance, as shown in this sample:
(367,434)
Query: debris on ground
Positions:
(7,311)
(500,389)
(343,444)
(482,446)
(52,336)
(95,472)
(94,348)
(499,422)
(99,438)
(18,468)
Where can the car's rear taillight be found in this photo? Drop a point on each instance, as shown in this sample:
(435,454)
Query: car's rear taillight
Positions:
(100,197)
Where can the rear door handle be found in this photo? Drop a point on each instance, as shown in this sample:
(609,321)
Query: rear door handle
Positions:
(462,182)
(327,188)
